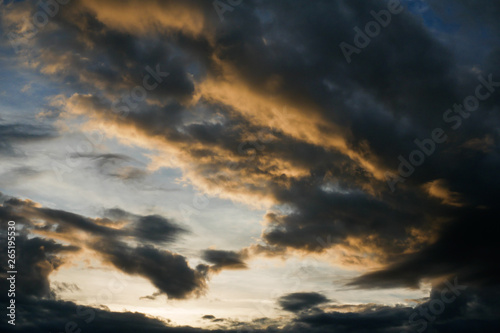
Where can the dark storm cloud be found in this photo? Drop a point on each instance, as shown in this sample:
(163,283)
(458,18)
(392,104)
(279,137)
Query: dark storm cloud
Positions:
(394,91)
(462,249)
(224,259)
(144,228)
(70,220)
(37,310)
(154,228)
(12,209)
(60,316)
(456,311)
(381,319)
(297,302)
(470,13)
(38,258)
(471,311)
(338,214)
(120,55)
(409,79)
(394,86)
(391,80)
(460,315)
(169,272)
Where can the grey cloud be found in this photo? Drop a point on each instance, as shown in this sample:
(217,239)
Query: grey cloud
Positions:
(396,90)
(117,166)
(395,87)
(12,135)
(38,258)
(470,258)
(154,228)
(168,271)
(297,302)
(224,259)
(145,228)
(209,317)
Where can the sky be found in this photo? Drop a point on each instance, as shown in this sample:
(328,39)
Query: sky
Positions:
(250,166)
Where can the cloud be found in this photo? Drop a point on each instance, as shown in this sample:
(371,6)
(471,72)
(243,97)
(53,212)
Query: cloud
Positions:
(38,258)
(116,165)
(438,189)
(115,225)
(50,315)
(462,315)
(168,271)
(13,135)
(153,228)
(63,286)
(470,259)
(380,319)
(263,109)
(225,259)
(323,157)
(456,312)
(297,302)
(482,144)
(279,173)
(160,16)
(208,317)
(17,174)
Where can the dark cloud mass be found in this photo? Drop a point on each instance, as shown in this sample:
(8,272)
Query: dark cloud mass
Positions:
(39,258)
(166,270)
(152,228)
(301,301)
(257,104)
(169,272)
(224,259)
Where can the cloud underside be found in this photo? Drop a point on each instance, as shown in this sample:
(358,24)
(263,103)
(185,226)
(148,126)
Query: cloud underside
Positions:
(132,244)
(282,127)
(460,316)
(296,302)
(262,108)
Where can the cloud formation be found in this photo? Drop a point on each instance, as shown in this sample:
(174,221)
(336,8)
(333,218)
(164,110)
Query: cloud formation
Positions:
(109,240)
(263,109)
(224,259)
(297,302)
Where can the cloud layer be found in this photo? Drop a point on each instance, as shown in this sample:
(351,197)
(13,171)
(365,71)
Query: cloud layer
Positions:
(263,109)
